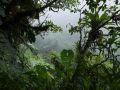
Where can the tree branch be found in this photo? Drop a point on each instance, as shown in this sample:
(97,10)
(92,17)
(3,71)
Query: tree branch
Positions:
(88,43)
(26,13)
(76,74)
(29,12)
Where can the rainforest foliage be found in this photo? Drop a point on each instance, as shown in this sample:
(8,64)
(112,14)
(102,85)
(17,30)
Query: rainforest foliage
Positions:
(93,65)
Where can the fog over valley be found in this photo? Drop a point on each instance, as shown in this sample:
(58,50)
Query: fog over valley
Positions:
(60,40)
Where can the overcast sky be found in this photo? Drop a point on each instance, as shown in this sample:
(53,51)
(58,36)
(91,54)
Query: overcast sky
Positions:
(63,19)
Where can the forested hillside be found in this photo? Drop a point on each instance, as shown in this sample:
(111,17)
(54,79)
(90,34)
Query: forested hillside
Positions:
(92,64)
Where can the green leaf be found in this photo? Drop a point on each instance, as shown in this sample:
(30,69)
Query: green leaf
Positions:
(116,1)
(67,56)
(112,40)
(90,15)
(103,17)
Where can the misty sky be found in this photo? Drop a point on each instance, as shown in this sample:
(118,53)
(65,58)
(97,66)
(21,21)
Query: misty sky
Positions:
(62,39)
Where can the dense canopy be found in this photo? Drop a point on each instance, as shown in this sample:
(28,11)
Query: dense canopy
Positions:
(93,65)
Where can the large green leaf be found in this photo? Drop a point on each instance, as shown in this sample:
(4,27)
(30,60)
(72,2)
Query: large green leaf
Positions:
(67,57)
